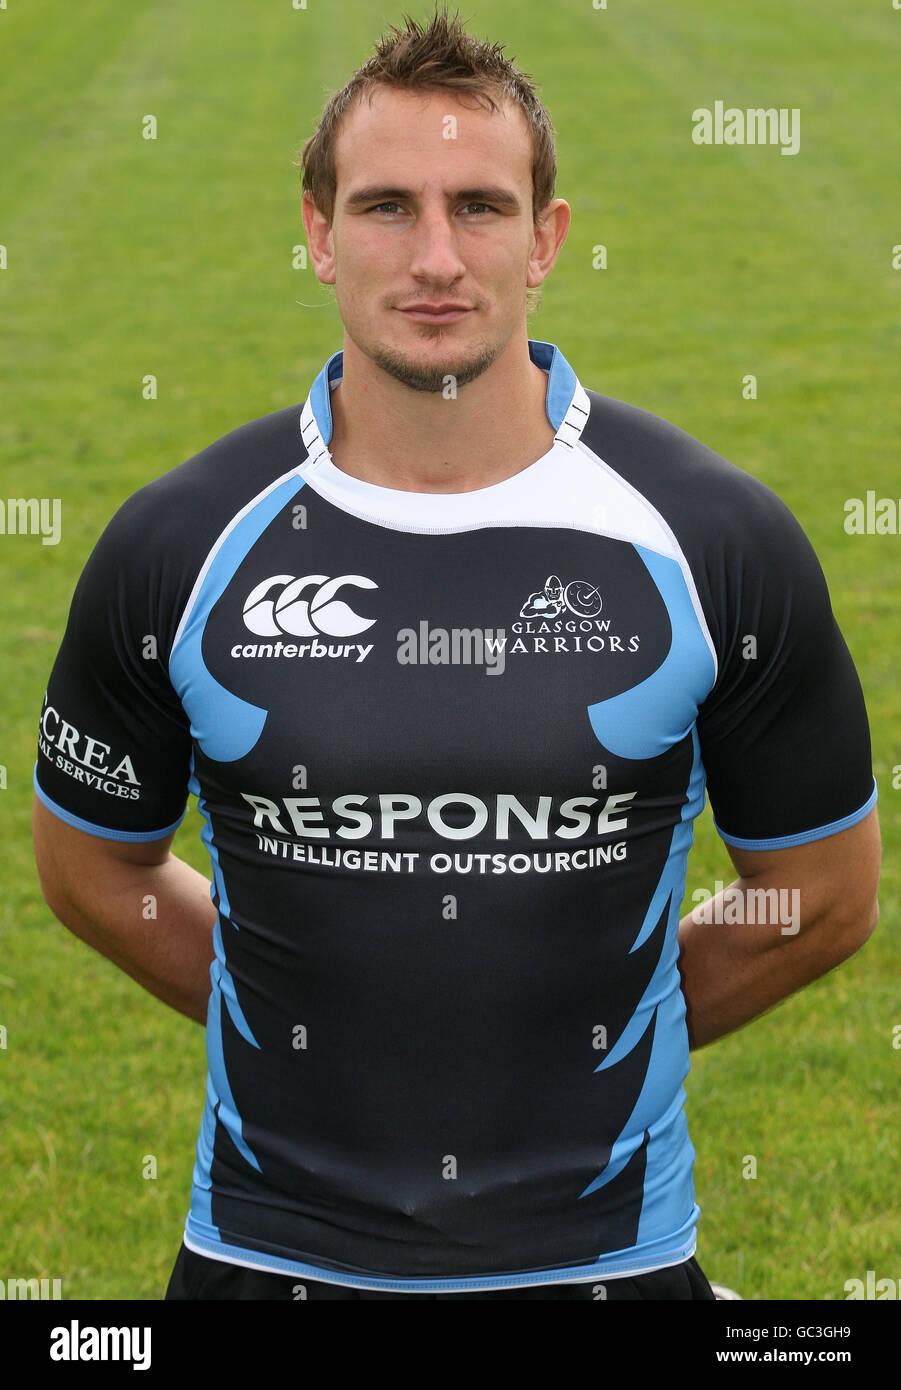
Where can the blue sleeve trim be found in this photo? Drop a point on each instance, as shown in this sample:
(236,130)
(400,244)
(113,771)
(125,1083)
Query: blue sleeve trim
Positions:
(130,836)
(804,837)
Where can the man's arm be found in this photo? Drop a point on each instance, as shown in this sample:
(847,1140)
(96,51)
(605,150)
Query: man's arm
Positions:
(98,888)
(823,909)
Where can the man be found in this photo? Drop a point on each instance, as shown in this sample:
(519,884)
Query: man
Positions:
(452,1002)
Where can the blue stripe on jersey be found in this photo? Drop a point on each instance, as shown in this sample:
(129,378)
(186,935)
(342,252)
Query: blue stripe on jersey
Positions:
(225,726)
(648,719)
(643,723)
(202,1189)
(206,836)
(218,1092)
(225,980)
(804,837)
(205,1239)
(227,1112)
(78,822)
(659,1109)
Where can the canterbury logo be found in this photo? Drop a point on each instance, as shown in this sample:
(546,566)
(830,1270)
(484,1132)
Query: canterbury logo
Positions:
(305,607)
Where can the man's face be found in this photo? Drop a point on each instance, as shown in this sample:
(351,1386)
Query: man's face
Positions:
(432,233)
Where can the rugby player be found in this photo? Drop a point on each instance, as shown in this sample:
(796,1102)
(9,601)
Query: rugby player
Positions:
(449,655)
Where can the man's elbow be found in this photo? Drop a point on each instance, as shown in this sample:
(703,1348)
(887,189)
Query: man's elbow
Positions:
(851,931)
(869,921)
(55,890)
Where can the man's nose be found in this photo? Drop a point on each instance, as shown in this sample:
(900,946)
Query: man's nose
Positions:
(436,254)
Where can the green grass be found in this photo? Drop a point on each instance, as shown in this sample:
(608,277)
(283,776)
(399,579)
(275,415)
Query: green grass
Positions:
(128,257)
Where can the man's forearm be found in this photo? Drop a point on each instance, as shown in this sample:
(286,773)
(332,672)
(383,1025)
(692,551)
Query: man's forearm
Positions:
(752,945)
(155,921)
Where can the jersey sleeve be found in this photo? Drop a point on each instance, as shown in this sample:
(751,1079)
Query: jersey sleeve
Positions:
(784,735)
(114,744)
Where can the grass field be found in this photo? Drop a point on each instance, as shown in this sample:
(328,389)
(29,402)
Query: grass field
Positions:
(173,257)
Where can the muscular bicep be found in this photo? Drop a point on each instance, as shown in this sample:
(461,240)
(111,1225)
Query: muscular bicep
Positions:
(72,861)
(836,876)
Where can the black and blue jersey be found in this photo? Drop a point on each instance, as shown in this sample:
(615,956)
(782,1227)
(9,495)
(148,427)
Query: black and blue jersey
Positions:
(449,749)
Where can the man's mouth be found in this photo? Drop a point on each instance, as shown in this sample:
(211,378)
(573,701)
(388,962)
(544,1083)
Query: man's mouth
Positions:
(435,313)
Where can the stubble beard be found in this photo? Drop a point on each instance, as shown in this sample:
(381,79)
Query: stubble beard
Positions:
(420,377)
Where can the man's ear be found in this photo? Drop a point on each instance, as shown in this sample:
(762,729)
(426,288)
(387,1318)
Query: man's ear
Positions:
(319,240)
(551,227)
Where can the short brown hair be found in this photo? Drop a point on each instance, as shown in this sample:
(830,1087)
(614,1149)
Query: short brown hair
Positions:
(441,56)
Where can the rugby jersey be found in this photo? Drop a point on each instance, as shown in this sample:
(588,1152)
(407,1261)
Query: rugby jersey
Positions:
(449,749)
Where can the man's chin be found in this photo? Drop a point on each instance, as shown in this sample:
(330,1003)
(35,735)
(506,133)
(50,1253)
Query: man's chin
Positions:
(424,376)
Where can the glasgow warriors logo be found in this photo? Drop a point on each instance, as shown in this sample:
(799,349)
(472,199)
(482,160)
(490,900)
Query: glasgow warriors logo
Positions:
(579,597)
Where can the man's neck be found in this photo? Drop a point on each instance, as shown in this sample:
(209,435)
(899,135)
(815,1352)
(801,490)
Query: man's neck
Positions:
(417,441)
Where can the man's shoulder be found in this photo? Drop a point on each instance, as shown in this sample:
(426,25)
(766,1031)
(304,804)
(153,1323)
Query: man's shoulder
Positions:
(209,488)
(700,494)
(158,541)
(180,514)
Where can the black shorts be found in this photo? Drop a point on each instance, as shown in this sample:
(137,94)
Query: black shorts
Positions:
(197,1277)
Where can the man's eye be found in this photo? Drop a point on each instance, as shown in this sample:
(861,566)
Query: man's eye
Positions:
(391,207)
